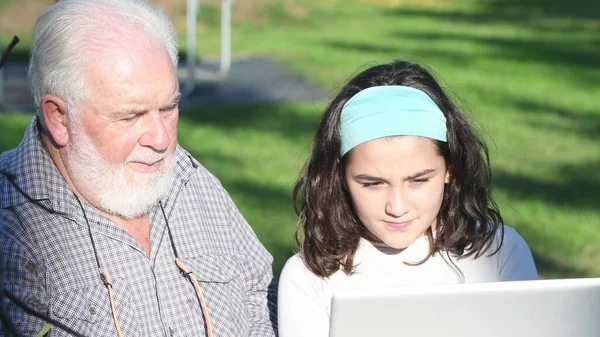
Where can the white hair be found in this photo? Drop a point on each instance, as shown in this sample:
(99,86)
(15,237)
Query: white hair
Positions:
(67,33)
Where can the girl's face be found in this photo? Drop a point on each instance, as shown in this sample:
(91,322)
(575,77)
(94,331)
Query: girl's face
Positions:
(396,185)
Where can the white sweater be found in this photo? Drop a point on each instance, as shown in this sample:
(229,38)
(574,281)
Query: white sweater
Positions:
(305,299)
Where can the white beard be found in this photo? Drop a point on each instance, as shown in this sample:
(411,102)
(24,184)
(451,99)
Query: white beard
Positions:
(106,185)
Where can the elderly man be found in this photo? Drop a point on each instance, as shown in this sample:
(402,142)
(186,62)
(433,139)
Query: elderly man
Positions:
(107,226)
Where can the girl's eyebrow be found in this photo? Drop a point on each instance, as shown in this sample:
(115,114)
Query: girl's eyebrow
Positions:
(419,174)
(367,177)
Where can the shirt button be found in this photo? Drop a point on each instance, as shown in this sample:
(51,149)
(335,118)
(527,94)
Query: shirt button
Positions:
(92,311)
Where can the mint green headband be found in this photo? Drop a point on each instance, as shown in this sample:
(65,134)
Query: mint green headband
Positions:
(391,110)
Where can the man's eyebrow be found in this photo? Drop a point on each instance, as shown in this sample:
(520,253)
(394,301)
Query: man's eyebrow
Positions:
(128,112)
(174,102)
(132,112)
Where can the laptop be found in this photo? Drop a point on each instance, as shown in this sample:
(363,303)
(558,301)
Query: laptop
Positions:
(541,308)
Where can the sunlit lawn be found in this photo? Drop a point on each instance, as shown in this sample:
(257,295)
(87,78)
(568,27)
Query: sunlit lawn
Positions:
(527,74)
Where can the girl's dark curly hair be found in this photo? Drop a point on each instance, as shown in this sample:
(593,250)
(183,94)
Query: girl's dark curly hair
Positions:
(328,230)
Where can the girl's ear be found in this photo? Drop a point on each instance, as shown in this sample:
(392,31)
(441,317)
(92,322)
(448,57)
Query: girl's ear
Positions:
(448,177)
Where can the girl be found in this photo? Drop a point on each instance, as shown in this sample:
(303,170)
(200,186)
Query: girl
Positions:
(397,191)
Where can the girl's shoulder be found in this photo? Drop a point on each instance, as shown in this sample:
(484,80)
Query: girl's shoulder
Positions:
(294,265)
(515,261)
(297,274)
(510,239)
(295,271)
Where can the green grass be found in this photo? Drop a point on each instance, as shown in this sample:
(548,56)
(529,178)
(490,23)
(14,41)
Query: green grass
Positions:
(5,3)
(526,72)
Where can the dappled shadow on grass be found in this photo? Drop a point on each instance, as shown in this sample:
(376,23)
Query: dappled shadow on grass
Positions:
(543,116)
(214,160)
(364,47)
(549,268)
(272,208)
(577,187)
(586,123)
(573,15)
(285,120)
(549,253)
(400,51)
(575,48)
(566,9)
(575,44)
(562,53)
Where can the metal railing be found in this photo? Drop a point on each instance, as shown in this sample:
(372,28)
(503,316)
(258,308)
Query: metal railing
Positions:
(192,12)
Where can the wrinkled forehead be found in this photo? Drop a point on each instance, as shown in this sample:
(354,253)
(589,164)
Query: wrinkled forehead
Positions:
(136,73)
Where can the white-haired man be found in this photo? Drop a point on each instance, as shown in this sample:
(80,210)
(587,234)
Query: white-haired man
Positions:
(107,226)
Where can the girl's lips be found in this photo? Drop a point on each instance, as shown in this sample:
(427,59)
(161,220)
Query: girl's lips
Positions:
(398,226)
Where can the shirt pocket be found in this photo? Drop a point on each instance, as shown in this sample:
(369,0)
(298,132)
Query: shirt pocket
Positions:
(87,310)
(224,291)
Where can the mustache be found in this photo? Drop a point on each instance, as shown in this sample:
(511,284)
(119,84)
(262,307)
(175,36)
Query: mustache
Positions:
(146,156)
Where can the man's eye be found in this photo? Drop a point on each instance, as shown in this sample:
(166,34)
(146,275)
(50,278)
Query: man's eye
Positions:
(130,119)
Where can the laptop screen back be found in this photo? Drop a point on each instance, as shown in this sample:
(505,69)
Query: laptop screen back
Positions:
(543,308)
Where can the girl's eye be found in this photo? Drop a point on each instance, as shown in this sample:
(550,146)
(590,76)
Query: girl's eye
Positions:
(373,184)
(419,181)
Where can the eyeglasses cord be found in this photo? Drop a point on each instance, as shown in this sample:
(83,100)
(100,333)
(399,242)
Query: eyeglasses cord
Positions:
(105,276)
(187,272)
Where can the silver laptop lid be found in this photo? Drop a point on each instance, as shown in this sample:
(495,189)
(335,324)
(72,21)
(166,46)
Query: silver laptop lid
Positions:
(543,308)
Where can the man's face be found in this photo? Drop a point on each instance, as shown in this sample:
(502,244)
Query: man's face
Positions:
(120,152)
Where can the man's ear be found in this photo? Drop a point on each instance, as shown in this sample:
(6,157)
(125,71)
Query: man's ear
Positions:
(54,112)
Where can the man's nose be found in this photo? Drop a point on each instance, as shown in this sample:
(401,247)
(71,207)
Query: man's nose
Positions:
(155,134)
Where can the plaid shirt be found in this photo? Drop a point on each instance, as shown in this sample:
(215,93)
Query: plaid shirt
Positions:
(48,261)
